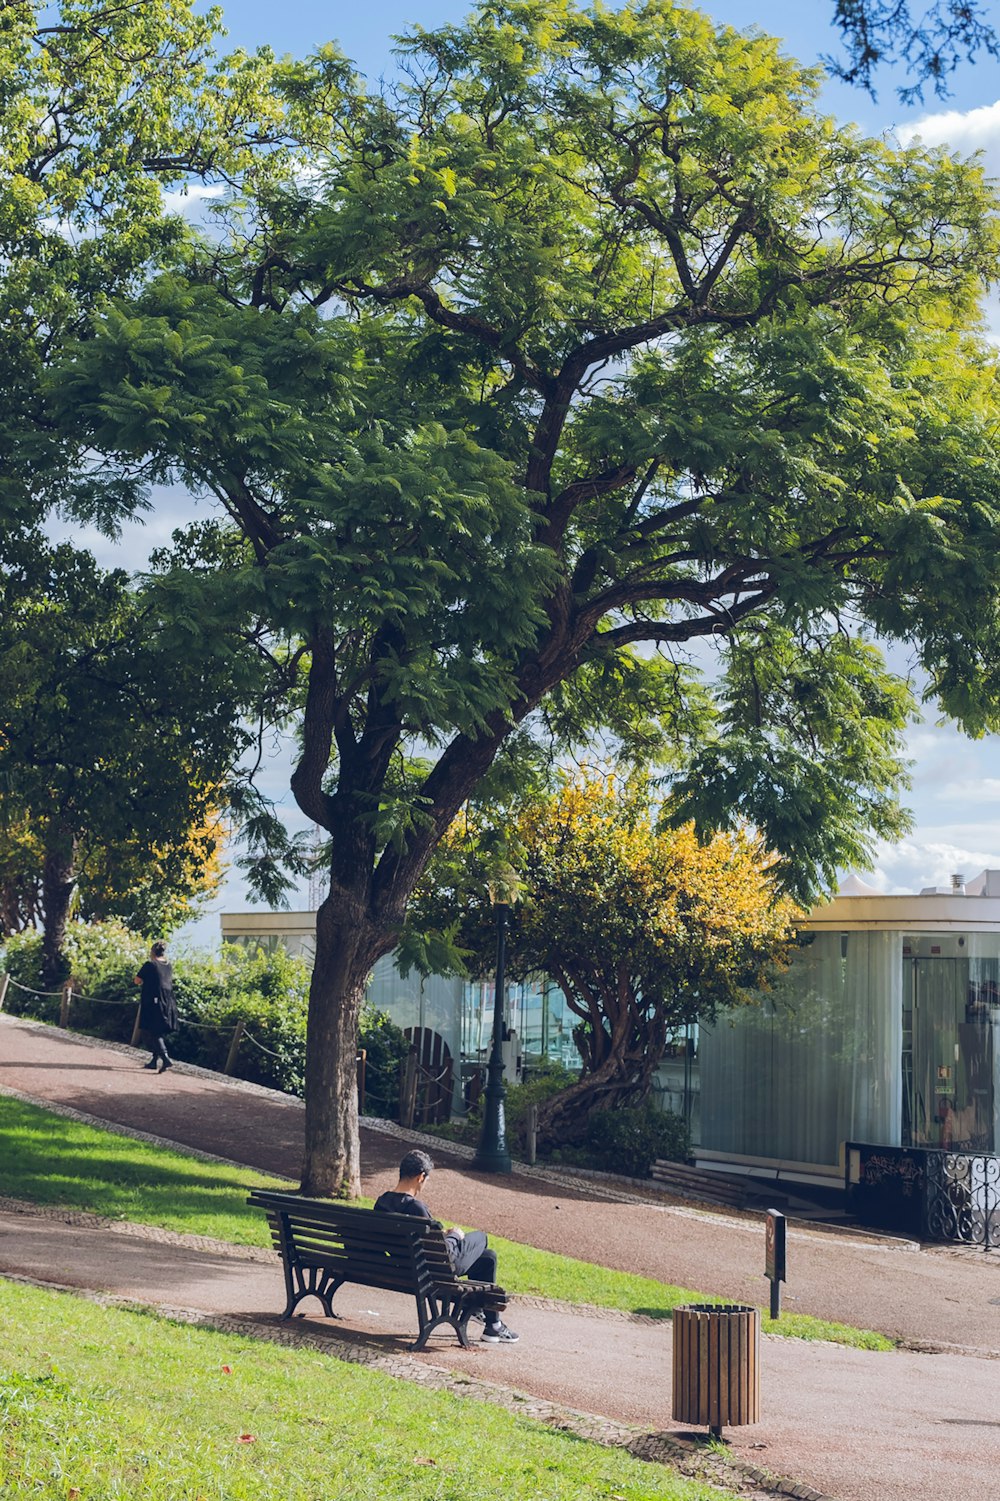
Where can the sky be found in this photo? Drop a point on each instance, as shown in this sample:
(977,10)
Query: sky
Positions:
(955,796)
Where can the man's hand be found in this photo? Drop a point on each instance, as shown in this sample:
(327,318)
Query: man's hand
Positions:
(455,1230)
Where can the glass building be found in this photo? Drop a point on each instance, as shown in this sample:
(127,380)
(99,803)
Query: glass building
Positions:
(461,1012)
(883,1030)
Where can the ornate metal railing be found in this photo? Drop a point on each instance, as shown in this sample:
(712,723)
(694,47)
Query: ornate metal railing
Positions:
(926,1192)
(963,1199)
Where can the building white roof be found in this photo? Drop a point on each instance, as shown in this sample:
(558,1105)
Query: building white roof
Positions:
(967,906)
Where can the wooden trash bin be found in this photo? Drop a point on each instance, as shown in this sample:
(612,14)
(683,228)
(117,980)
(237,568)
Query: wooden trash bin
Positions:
(716,1365)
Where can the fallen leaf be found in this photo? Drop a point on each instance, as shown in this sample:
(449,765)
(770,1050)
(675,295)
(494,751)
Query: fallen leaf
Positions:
(419,1461)
(247,1438)
(72,1493)
(227,1370)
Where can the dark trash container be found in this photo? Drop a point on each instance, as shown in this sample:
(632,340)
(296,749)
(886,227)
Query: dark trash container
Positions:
(716,1365)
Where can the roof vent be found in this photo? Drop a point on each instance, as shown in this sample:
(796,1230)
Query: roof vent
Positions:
(958,884)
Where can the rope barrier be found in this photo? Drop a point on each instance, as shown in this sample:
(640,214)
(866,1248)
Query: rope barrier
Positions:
(100,1000)
(106,1000)
(30,990)
(182,1021)
(423,1078)
(249,1037)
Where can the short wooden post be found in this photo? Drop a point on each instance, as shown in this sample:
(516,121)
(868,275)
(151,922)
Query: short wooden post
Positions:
(531,1130)
(408,1092)
(362,1068)
(65,1003)
(4,982)
(234,1046)
(136,1028)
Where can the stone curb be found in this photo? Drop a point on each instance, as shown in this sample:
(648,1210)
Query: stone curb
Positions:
(687,1456)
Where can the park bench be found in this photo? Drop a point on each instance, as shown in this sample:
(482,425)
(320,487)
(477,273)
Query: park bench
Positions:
(324,1244)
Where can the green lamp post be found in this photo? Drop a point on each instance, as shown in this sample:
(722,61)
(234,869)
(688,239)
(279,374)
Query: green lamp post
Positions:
(492,1155)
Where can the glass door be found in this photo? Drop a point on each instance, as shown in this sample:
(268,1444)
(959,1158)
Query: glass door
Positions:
(947,1057)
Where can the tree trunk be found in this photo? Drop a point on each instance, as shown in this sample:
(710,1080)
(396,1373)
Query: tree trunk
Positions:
(562,1120)
(58,880)
(347,947)
(629,1053)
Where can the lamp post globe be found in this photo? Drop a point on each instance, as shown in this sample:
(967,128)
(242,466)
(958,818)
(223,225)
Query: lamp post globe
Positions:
(492,1155)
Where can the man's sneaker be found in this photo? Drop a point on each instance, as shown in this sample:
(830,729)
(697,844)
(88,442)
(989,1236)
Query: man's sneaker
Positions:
(477,1316)
(499,1335)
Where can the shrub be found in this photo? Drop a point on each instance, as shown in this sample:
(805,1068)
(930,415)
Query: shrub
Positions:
(540,1083)
(386,1049)
(103,959)
(629,1141)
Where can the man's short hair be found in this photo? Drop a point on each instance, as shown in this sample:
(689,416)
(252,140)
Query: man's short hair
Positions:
(415,1163)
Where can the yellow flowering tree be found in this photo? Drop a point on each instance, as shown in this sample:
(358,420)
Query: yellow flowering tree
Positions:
(643,927)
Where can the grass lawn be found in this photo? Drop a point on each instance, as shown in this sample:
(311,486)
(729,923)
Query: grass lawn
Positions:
(106,1403)
(48,1159)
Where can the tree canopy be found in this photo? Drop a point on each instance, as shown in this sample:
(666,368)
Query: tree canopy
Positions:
(584,355)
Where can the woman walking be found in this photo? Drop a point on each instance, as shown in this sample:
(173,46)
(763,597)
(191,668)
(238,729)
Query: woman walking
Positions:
(157,1007)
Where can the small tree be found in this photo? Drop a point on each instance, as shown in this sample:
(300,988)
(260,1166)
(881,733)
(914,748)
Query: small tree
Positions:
(643,927)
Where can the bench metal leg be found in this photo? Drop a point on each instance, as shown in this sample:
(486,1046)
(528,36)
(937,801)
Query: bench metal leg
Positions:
(455,1312)
(312,1282)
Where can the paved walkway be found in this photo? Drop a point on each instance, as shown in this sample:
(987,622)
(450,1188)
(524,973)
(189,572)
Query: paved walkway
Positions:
(853,1425)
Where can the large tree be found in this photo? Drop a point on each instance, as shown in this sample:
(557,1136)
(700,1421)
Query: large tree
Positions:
(588,338)
(643,926)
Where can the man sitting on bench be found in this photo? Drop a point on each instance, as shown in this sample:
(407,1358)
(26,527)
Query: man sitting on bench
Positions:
(469,1254)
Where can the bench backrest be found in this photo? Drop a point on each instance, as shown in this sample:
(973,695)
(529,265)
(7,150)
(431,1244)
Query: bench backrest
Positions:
(396,1251)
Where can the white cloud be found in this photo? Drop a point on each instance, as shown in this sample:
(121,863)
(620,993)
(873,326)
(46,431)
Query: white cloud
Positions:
(923,860)
(971,791)
(191,202)
(965,131)
(171,508)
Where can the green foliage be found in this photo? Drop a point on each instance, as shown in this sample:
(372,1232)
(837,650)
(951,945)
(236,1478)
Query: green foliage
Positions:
(544,1082)
(629,1140)
(644,927)
(102,957)
(114,746)
(386,1049)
